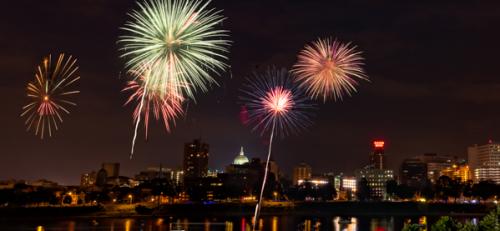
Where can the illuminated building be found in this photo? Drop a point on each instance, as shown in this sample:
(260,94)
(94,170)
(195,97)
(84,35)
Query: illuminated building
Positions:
(484,161)
(377,179)
(316,181)
(301,172)
(375,172)
(349,183)
(240,159)
(195,159)
(458,172)
(337,181)
(88,179)
(348,188)
(491,173)
(177,176)
(151,173)
(413,172)
(377,159)
(435,164)
(112,169)
(214,172)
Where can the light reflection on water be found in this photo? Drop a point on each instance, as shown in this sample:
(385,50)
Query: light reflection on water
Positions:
(273,223)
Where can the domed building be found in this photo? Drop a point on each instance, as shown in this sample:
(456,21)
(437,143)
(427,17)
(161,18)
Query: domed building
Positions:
(241,159)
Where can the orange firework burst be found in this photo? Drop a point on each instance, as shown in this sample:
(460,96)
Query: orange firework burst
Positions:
(49,94)
(329,69)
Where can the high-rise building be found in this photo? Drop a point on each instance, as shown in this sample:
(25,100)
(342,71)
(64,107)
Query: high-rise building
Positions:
(435,164)
(377,179)
(413,172)
(377,159)
(112,169)
(484,161)
(301,172)
(195,159)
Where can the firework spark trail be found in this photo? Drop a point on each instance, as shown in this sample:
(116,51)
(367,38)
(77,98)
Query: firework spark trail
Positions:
(329,69)
(49,95)
(259,202)
(137,122)
(169,107)
(275,106)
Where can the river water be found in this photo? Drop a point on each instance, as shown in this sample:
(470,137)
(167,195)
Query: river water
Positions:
(271,223)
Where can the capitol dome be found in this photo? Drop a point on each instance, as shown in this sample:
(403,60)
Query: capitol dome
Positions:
(241,159)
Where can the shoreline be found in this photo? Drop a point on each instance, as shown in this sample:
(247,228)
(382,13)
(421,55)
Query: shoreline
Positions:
(305,209)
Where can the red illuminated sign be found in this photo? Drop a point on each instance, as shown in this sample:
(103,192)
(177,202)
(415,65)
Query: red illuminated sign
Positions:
(378,143)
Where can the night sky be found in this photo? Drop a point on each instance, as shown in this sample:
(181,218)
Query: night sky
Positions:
(433,67)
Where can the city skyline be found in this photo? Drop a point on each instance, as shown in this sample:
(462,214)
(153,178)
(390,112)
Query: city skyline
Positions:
(288,174)
(413,109)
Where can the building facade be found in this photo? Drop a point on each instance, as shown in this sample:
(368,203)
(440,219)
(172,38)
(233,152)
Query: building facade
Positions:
(195,162)
(377,158)
(459,172)
(88,179)
(484,161)
(112,169)
(435,164)
(377,180)
(413,172)
(302,172)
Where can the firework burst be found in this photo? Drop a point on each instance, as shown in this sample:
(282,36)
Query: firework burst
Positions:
(151,101)
(178,39)
(273,100)
(50,94)
(329,69)
(274,105)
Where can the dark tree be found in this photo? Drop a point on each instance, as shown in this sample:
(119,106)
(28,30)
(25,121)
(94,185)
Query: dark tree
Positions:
(391,187)
(363,192)
(443,188)
(467,190)
(484,190)
(427,190)
(405,192)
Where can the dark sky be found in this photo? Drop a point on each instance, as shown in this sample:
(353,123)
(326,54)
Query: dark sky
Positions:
(433,66)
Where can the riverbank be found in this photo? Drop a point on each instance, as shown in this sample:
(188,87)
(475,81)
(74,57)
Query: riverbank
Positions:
(316,209)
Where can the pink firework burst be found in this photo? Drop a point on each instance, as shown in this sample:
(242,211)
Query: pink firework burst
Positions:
(165,106)
(329,69)
(272,100)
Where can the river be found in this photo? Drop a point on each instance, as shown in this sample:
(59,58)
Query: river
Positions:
(271,223)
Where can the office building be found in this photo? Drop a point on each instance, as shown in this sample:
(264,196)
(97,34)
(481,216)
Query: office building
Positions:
(377,158)
(484,161)
(460,172)
(377,179)
(413,173)
(195,159)
(435,164)
(301,172)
